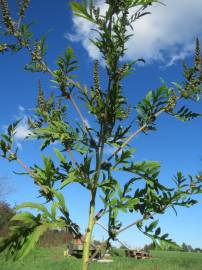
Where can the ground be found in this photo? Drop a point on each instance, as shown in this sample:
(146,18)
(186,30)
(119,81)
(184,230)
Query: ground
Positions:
(53,259)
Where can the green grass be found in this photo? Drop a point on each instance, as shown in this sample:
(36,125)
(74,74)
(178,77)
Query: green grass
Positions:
(53,259)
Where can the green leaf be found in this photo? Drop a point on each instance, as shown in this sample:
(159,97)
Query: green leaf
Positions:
(80,10)
(32,239)
(158,231)
(131,203)
(25,217)
(59,155)
(148,167)
(178,86)
(185,114)
(164,236)
(37,206)
(166,244)
(54,206)
(152,226)
(70,179)
(60,198)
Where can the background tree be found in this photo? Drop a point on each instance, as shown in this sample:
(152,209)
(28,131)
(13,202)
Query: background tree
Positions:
(141,193)
(187,248)
(6,213)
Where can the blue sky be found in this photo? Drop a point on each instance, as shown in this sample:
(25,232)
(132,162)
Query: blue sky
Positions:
(164,39)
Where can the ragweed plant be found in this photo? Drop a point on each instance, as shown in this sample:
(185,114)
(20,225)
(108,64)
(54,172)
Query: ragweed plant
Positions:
(108,105)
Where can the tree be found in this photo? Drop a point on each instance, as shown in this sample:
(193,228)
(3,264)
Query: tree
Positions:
(187,248)
(6,213)
(109,107)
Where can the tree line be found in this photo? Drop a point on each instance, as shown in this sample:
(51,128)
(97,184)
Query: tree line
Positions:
(184,248)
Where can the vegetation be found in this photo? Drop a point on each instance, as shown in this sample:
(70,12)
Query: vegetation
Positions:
(6,213)
(51,238)
(53,259)
(184,248)
(108,105)
(189,248)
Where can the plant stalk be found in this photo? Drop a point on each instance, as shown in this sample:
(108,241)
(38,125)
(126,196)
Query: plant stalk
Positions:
(88,235)
(91,221)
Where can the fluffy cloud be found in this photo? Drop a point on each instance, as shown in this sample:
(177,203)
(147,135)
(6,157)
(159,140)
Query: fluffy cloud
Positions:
(168,34)
(22,131)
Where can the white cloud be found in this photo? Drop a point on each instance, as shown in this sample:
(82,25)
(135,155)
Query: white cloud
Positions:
(168,34)
(22,131)
(21,108)
(189,49)
(83,34)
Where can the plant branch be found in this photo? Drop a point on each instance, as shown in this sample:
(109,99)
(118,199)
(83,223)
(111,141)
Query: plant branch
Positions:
(143,218)
(105,243)
(134,223)
(98,250)
(81,116)
(26,168)
(104,228)
(69,97)
(134,134)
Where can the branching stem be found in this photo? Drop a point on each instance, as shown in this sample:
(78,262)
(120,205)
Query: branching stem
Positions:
(26,168)
(134,134)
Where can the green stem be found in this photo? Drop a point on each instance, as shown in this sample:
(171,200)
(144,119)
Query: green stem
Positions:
(88,235)
(91,221)
(99,157)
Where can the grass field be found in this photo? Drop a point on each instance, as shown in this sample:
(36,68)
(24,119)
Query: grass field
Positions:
(53,259)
